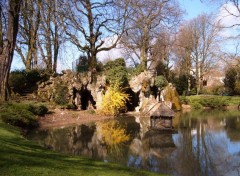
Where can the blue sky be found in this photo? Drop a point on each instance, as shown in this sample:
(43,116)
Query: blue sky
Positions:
(195,7)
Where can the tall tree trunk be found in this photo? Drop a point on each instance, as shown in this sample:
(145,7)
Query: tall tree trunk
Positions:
(144,48)
(188,69)
(28,60)
(55,46)
(56,39)
(1,31)
(49,43)
(35,35)
(197,77)
(92,60)
(143,59)
(56,49)
(8,47)
(35,55)
(49,49)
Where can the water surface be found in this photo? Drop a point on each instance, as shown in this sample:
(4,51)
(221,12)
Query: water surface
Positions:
(205,143)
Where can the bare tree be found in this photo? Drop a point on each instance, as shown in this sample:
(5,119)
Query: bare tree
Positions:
(7,49)
(26,45)
(50,35)
(90,25)
(183,48)
(40,34)
(231,59)
(145,22)
(3,21)
(204,47)
(231,8)
(1,29)
(161,53)
(199,48)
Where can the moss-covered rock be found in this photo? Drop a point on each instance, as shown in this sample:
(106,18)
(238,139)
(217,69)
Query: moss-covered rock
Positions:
(170,94)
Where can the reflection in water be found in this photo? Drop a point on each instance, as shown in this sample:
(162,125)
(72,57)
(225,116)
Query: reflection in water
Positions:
(113,135)
(207,143)
(203,145)
(150,151)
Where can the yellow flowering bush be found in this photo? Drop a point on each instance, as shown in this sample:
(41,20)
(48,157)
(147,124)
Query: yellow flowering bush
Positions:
(114,100)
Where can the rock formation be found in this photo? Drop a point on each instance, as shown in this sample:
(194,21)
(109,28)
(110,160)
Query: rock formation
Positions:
(84,92)
(77,89)
(143,84)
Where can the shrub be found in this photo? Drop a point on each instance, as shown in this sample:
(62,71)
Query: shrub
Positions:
(196,105)
(217,90)
(70,106)
(213,102)
(22,115)
(116,72)
(181,83)
(113,101)
(60,94)
(18,115)
(17,81)
(21,80)
(184,100)
(193,91)
(40,110)
(198,102)
(230,80)
(99,66)
(171,95)
(237,88)
(161,81)
(135,71)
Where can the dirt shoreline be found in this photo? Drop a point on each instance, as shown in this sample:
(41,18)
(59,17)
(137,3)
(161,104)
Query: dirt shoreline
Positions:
(59,118)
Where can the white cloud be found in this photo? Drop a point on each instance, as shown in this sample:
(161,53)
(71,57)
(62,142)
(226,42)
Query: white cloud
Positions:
(228,16)
(111,54)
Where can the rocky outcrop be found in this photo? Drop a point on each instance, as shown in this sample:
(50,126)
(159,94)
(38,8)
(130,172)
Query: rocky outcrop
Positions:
(85,91)
(77,89)
(143,81)
(143,84)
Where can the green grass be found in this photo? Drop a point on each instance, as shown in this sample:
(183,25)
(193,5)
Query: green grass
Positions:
(211,101)
(21,157)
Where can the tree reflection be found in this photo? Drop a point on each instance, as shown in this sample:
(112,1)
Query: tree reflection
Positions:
(202,146)
(207,143)
(151,151)
(78,140)
(233,128)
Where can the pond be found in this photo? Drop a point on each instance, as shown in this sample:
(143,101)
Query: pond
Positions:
(204,143)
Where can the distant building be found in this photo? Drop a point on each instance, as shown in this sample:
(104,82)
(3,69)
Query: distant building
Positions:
(213,78)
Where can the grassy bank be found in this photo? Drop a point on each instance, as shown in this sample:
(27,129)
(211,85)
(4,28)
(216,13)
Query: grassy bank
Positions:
(20,157)
(211,101)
